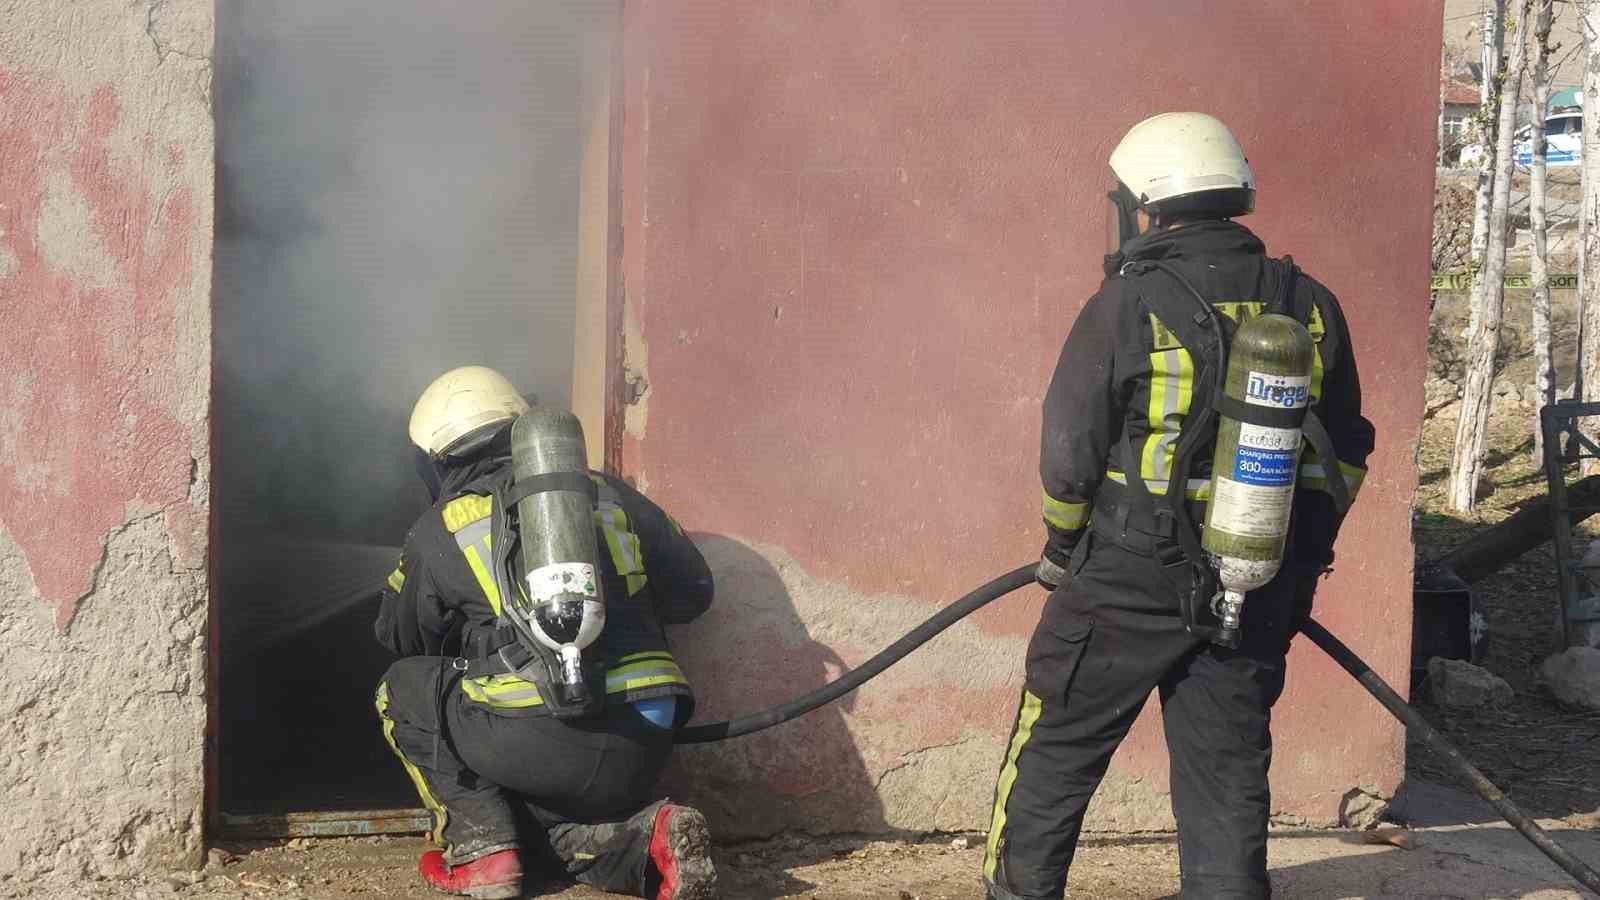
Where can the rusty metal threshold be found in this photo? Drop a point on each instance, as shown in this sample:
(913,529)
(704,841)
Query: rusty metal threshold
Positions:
(339,823)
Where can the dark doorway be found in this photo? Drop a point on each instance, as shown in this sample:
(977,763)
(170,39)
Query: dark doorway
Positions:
(398,194)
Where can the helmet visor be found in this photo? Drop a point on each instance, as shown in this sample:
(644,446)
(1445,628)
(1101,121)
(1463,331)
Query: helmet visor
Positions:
(1122,218)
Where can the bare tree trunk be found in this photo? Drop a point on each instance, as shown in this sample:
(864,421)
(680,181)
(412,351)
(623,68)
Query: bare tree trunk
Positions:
(1588,387)
(1488,293)
(1544,376)
(1494,17)
(1438,153)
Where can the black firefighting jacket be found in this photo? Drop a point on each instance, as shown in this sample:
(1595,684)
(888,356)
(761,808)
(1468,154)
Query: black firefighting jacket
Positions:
(441,598)
(1125,386)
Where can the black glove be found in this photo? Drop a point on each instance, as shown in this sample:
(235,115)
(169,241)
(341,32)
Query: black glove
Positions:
(1305,590)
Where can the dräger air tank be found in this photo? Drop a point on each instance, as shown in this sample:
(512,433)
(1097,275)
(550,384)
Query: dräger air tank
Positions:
(1253,471)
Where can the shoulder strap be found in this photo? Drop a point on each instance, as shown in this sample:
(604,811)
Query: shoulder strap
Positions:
(1195,325)
(1316,434)
(1286,300)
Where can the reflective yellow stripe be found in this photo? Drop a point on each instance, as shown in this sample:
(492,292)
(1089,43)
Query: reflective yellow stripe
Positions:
(474,539)
(648,654)
(1313,477)
(633,672)
(1194,489)
(1063,515)
(480,571)
(504,691)
(1316,375)
(622,544)
(464,510)
(440,814)
(643,675)
(1354,476)
(1163,338)
(397,578)
(639,684)
(1171,393)
(1031,707)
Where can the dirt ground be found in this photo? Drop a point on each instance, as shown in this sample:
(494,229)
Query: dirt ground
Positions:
(1471,857)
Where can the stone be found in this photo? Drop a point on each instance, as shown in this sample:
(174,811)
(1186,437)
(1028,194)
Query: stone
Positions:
(1589,821)
(1452,682)
(1362,809)
(1573,676)
(1439,393)
(960,843)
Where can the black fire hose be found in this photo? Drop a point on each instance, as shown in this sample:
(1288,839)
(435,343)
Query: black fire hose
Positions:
(1436,742)
(1023,576)
(833,690)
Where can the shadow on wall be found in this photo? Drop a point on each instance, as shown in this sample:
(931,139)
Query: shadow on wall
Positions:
(807,775)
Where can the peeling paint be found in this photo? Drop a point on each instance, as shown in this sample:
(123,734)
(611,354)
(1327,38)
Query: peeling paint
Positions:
(105,243)
(636,373)
(101,280)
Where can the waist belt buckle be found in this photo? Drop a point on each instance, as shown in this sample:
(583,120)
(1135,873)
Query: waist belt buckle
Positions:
(459,664)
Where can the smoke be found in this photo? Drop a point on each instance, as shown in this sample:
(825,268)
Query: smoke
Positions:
(397,195)
(397,190)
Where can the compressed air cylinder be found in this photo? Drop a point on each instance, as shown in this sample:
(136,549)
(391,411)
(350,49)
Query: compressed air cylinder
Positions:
(556,528)
(1253,471)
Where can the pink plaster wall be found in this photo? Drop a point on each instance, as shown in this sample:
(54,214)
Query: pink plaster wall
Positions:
(855,236)
(98,417)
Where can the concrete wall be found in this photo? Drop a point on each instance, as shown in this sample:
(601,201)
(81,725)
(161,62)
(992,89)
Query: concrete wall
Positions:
(855,236)
(105,273)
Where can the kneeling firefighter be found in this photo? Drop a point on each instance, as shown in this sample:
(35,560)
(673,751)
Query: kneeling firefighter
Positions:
(535,705)
(1202,438)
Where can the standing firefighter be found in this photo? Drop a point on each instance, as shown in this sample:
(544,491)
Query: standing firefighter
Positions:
(1197,346)
(535,704)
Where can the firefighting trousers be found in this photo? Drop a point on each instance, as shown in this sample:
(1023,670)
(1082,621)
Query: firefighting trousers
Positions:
(578,794)
(1103,643)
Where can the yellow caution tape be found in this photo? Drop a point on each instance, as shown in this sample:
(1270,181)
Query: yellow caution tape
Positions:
(1462,281)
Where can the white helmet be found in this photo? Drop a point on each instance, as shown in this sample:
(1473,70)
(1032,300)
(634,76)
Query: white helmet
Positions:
(460,403)
(1182,155)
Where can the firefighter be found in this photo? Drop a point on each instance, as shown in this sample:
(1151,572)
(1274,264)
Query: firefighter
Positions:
(1125,471)
(509,780)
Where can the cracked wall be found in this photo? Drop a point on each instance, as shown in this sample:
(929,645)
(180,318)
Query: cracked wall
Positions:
(854,239)
(105,250)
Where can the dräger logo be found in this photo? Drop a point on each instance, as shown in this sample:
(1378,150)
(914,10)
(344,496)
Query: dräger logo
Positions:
(1288,396)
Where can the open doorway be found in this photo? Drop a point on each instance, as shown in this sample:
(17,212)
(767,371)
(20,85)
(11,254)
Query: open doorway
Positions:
(403,187)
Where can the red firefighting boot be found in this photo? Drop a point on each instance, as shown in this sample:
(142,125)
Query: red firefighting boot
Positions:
(680,848)
(497,876)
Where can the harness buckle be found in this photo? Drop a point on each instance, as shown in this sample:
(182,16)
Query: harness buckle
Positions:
(1168,554)
(459,664)
(1166,521)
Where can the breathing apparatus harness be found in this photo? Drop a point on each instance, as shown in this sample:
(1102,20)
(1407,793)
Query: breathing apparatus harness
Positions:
(544,562)
(567,691)
(1201,332)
